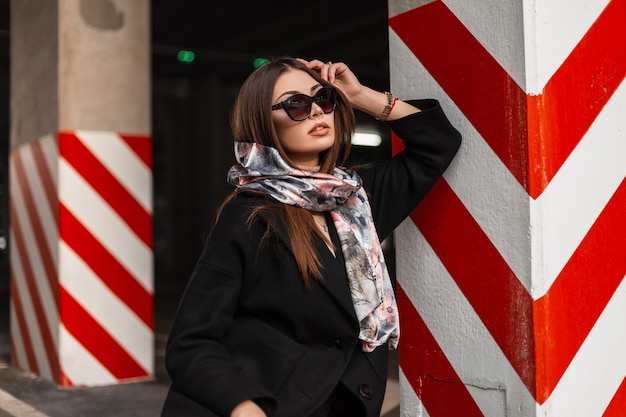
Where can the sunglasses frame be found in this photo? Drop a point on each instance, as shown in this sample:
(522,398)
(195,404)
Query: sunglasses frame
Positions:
(312,99)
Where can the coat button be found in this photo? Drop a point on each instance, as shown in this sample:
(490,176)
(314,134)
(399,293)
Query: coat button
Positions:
(365,391)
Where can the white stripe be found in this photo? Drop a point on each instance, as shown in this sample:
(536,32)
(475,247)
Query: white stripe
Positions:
(18,350)
(30,318)
(564,213)
(410,404)
(392,397)
(105,224)
(106,308)
(476,172)
(122,162)
(34,257)
(466,343)
(553,29)
(17,408)
(79,365)
(399,7)
(499,27)
(42,206)
(598,369)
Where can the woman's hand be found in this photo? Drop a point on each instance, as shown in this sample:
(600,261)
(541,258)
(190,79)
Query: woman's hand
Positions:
(361,97)
(339,75)
(248,408)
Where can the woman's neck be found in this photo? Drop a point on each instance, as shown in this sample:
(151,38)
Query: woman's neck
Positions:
(315,168)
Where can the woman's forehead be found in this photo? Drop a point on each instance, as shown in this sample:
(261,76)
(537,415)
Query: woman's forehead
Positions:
(296,81)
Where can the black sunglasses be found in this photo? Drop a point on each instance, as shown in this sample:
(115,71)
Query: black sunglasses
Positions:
(298,106)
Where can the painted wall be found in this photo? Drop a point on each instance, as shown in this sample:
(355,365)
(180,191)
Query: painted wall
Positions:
(511,272)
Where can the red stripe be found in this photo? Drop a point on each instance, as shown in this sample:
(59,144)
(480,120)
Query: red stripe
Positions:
(567,313)
(105,184)
(113,274)
(576,94)
(45,252)
(15,363)
(483,90)
(427,369)
(97,340)
(33,290)
(46,178)
(397,145)
(141,145)
(495,293)
(65,380)
(16,299)
(618,403)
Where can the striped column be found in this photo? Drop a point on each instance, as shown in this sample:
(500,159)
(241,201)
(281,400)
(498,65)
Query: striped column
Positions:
(512,271)
(81,258)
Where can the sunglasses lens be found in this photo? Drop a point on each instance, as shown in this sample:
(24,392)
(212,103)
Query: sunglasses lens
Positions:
(298,106)
(325,98)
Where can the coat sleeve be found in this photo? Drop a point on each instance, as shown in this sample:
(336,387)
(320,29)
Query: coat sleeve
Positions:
(395,187)
(197,359)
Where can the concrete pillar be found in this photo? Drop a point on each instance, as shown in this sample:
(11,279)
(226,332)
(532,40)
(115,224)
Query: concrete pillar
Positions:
(512,271)
(81,190)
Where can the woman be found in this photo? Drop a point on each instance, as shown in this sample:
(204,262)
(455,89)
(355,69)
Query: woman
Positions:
(290,310)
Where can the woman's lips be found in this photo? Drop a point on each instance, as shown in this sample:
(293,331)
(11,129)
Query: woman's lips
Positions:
(320,129)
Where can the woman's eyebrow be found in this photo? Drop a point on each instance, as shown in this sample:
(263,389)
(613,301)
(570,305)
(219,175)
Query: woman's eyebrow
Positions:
(288,92)
(315,87)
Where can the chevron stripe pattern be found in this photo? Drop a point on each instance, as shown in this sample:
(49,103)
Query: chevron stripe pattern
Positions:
(514,303)
(81,258)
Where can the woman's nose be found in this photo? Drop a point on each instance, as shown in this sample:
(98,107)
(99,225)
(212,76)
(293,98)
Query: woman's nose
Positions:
(316,110)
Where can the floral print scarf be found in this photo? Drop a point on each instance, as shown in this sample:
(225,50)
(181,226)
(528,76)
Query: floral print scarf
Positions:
(262,168)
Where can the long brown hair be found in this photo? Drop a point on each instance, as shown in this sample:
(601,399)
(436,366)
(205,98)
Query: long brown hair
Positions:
(251,121)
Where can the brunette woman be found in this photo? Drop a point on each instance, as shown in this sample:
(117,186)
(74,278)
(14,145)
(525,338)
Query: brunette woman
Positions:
(290,311)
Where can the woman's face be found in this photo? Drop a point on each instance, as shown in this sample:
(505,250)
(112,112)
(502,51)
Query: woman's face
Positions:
(303,140)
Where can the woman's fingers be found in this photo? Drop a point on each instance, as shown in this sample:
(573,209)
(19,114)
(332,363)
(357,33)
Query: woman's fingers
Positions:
(326,69)
(337,74)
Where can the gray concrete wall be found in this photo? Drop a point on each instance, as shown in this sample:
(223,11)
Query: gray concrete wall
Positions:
(34,70)
(79,64)
(104,65)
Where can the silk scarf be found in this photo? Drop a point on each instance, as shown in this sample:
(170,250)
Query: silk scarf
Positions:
(261,168)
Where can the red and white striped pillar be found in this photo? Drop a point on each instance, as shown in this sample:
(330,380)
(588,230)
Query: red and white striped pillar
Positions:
(512,271)
(81,257)
(81,260)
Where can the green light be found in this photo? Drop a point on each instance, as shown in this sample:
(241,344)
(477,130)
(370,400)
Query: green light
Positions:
(186,57)
(259,62)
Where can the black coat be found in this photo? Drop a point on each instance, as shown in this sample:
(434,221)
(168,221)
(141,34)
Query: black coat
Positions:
(247,328)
